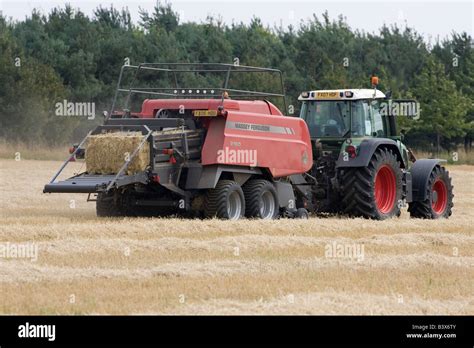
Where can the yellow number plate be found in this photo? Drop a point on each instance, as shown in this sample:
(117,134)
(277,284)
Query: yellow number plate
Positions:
(205,113)
(329,95)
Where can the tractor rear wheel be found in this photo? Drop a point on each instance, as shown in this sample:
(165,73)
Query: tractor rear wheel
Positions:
(225,201)
(439,197)
(261,199)
(376,190)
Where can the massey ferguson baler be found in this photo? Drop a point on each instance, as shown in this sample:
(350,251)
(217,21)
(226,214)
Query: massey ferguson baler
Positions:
(193,151)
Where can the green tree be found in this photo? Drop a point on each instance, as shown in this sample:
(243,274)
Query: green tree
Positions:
(29,92)
(163,17)
(457,55)
(443,107)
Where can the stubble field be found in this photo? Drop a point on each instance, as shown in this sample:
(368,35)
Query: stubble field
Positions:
(87,265)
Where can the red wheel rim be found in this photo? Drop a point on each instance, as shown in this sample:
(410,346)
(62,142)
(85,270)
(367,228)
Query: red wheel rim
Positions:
(439,199)
(385,189)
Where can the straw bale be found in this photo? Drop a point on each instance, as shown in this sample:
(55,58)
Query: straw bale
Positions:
(106,153)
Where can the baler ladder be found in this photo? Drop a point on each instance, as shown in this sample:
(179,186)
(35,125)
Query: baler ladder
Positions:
(69,158)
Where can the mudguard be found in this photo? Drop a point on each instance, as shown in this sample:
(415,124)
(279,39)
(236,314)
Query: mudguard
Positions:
(420,173)
(365,151)
(206,177)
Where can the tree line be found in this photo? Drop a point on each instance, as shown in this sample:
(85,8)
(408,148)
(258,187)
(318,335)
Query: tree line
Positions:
(46,59)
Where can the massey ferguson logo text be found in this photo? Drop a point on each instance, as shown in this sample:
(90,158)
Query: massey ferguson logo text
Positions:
(37,331)
(254,127)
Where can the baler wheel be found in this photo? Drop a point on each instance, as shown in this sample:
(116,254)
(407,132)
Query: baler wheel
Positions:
(439,197)
(374,191)
(302,213)
(109,205)
(225,201)
(261,199)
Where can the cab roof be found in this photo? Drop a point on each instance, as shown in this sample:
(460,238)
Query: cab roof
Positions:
(341,94)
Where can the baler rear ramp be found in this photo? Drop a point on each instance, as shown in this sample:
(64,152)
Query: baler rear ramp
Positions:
(81,183)
(93,183)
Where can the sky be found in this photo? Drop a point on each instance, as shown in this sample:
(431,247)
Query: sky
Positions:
(434,20)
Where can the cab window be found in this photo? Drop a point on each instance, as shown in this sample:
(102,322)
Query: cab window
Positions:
(326,118)
(361,119)
(377,117)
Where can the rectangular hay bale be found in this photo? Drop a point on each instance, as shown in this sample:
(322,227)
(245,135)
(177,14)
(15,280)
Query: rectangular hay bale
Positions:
(106,153)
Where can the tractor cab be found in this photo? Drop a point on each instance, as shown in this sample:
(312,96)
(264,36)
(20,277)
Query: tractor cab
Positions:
(345,113)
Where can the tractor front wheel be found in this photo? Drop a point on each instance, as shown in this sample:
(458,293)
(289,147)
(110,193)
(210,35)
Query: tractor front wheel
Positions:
(439,197)
(376,190)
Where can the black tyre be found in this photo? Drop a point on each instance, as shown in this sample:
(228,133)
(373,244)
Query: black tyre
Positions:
(374,191)
(225,201)
(115,203)
(261,199)
(109,205)
(439,197)
(301,213)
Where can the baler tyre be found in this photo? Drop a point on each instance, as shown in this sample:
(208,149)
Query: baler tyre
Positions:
(374,191)
(439,197)
(225,201)
(107,205)
(261,199)
(301,213)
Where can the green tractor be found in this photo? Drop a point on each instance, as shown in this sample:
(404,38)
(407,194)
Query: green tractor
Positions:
(361,166)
